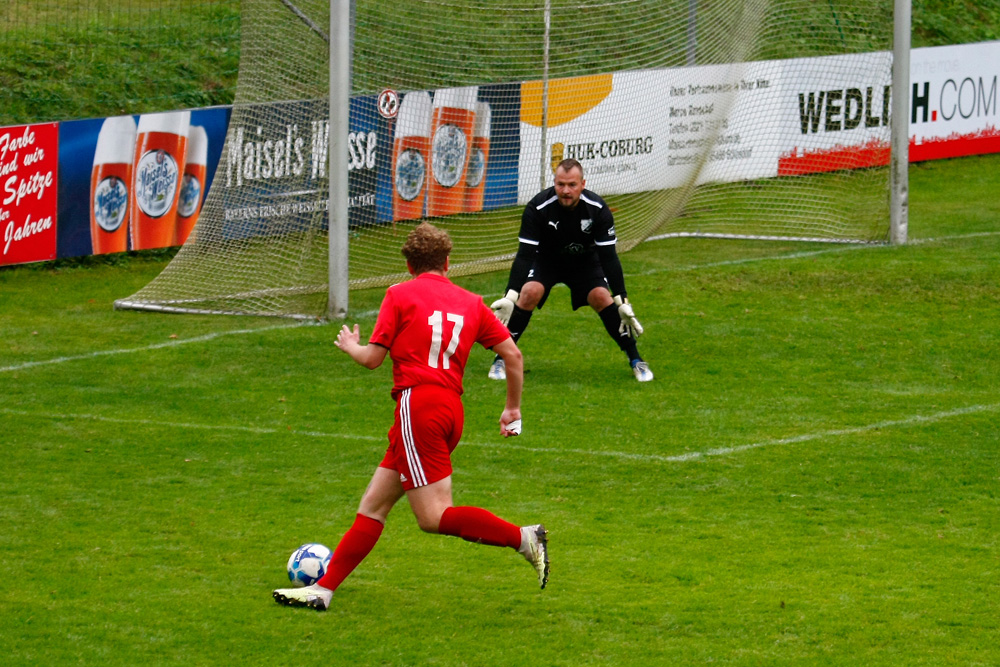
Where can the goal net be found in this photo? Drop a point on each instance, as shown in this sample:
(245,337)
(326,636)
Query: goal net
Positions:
(761,118)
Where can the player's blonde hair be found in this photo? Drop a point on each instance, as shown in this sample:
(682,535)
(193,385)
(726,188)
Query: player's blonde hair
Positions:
(427,248)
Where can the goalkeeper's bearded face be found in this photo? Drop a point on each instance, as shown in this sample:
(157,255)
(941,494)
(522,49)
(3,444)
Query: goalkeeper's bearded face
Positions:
(569,186)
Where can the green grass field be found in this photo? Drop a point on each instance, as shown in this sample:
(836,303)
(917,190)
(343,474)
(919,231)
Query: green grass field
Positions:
(810,480)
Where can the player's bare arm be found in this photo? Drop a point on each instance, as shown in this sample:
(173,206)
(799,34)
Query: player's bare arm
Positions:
(515,381)
(370,356)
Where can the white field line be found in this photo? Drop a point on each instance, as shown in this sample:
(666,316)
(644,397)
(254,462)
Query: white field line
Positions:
(172,343)
(146,348)
(748,260)
(916,419)
(806,253)
(508,444)
(693,267)
(186,425)
(724,451)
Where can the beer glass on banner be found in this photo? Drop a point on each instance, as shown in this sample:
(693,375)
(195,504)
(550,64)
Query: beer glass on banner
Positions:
(110,184)
(193,183)
(475,179)
(411,156)
(157,168)
(451,138)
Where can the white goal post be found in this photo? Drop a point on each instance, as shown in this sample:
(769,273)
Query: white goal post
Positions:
(767,119)
(899,204)
(341,23)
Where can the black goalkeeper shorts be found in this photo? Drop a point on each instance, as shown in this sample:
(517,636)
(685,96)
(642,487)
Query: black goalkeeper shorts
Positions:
(580,276)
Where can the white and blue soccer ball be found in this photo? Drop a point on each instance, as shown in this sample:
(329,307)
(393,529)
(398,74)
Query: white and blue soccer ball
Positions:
(308,563)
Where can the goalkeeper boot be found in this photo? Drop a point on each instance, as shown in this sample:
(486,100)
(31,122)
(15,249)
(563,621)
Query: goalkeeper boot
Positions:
(535,549)
(314,596)
(641,371)
(498,371)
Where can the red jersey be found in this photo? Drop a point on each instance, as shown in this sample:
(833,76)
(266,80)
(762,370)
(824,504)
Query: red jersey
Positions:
(429,325)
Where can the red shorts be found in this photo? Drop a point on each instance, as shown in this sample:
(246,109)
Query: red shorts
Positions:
(429,422)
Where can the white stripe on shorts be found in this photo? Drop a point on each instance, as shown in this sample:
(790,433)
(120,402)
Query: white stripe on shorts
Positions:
(406,427)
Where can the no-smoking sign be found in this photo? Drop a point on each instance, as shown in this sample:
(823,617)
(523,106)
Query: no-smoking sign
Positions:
(388,103)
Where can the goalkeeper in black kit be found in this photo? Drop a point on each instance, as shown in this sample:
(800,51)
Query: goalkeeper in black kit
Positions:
(568,236)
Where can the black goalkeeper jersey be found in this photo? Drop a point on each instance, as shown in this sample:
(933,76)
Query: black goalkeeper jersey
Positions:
(572,238)
(558,232)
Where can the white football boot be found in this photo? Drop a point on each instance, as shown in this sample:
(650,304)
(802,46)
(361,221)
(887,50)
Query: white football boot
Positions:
(314,596)
(535,549)
(498,371)
(641,371)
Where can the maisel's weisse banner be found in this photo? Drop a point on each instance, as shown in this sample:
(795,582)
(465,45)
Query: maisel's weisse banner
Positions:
(441,152)
(135,182)
(276,159)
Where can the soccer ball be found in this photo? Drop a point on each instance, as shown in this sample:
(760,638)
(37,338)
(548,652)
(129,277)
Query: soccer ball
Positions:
(308,563)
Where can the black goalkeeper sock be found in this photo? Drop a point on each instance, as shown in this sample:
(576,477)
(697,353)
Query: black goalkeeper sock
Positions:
(609,316)
(517,324)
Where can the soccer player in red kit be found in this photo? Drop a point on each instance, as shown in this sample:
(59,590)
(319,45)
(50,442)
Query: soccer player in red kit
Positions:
(427,326)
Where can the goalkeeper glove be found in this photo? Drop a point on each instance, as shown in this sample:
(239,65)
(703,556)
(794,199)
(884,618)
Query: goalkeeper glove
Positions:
(629,324)
(503,308)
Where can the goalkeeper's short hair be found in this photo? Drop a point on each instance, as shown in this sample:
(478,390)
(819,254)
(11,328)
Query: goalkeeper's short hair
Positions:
(427,248)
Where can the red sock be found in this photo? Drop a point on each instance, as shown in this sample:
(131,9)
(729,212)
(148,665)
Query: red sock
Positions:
(474,524)
(356,543)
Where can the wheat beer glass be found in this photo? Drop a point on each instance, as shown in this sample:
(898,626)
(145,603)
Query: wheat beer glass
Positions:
(110,185)
(193,183)
(454,114)
(475,175)
(411,154)
(157,169)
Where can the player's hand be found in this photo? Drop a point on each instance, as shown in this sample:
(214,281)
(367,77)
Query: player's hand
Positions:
(347,339)
(630,325)
(510,423)
(503,307)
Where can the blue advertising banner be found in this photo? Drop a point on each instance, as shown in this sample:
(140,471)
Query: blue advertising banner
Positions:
(97,201)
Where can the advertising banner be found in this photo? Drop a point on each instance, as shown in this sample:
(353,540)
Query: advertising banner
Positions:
(422,153)
(639,131)
(953,101)
(835,113)
(29,157)
(135,182)
(658,129)
(454,150)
